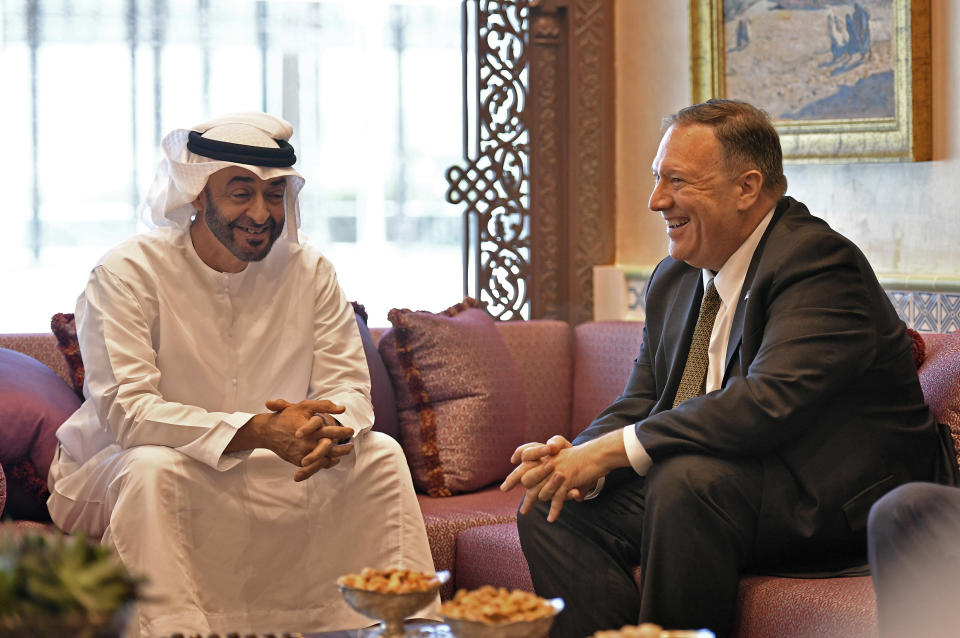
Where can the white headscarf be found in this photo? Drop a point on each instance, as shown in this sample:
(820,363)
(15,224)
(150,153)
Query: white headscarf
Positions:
(182,174)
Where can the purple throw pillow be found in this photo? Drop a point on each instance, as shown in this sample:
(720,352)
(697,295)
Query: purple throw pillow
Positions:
(460,397)
(34,401)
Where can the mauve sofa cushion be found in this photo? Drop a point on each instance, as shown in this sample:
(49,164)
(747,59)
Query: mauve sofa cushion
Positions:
(769,607)
(603,360)
(446,518)
(542,350)
(34,401)
(492,554)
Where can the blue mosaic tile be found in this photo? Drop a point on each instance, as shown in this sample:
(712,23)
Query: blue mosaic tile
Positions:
(634,297)
(926,315)
(636,288)
(949,313)
(926,308)
(901,303)
(921,310)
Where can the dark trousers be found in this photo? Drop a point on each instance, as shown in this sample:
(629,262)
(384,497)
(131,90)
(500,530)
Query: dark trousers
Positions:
(913,542)
(689,524)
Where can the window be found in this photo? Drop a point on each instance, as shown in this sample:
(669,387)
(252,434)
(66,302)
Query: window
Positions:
(372,88)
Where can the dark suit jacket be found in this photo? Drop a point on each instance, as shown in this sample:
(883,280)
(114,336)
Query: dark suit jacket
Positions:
(820,386)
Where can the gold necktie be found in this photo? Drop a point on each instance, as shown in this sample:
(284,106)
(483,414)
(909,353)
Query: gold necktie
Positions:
(695,370)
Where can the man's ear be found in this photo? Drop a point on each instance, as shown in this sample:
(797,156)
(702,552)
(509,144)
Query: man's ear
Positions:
(751,186)
(200,202)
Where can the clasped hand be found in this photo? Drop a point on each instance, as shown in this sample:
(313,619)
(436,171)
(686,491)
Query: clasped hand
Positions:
(305,435)
(554,471)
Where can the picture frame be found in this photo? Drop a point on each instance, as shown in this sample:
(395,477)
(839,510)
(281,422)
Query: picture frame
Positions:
(843,81)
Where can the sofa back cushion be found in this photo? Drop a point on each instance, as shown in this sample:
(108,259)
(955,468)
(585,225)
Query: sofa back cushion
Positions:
(543,351)
(604,352)
(42,346)
(381,388)
(940,380)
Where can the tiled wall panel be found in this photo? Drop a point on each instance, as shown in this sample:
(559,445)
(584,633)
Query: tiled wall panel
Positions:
(924,311)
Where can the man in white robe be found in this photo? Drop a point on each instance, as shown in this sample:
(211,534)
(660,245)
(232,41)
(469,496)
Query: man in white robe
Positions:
(224,444)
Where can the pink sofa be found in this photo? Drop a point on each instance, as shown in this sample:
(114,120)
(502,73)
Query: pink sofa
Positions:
(570,374)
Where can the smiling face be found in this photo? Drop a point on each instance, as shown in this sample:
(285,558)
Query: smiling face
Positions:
(709,211)
(239,217)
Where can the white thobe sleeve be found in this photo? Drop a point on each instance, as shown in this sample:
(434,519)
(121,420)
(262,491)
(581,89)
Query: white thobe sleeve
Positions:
(340,373)
(122,379)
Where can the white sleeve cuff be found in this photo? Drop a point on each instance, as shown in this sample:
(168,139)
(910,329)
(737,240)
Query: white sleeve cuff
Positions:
(639,459)
(596,489)
(209,447)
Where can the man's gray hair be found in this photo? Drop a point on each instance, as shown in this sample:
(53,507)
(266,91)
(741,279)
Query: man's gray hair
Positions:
(746,135)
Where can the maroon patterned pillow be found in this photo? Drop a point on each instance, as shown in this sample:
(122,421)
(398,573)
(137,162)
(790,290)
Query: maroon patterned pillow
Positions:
(65,329)
(919,347)
(460,397)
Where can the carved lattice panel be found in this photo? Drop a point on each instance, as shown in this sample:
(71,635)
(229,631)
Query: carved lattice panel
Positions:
(537,179)
(493,183)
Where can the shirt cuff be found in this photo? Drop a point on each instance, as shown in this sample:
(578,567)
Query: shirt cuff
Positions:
(639,459)
(596,489)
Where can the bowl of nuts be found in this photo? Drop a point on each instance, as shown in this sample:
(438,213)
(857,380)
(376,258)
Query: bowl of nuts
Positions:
(495,612)
(390,595)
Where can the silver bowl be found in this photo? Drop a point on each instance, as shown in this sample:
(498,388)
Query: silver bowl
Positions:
(391,609)
(462,628)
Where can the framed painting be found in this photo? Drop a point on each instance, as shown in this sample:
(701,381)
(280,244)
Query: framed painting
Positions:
(842,81)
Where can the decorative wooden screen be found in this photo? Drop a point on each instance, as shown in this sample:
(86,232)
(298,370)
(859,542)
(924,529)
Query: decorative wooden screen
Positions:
(537,180)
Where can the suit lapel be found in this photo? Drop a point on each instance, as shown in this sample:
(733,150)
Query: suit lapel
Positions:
(681,321)
(736,327)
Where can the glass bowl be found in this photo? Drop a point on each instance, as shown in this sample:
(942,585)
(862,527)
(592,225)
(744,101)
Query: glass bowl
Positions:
(391,609)
(463,628)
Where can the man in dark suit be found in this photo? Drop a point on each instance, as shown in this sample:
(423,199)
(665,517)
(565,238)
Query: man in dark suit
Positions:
(761,419)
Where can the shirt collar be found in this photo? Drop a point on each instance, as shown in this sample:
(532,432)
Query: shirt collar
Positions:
(729,279)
